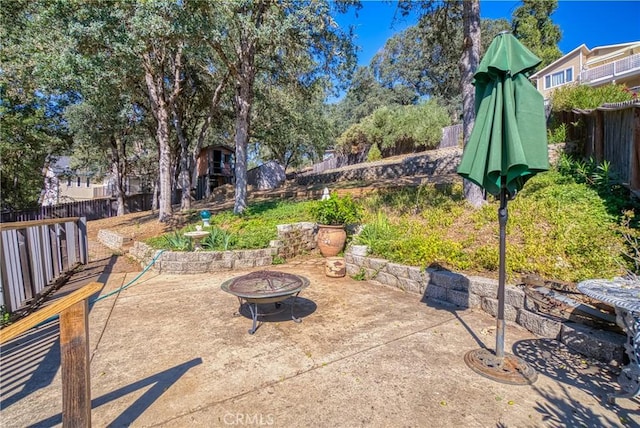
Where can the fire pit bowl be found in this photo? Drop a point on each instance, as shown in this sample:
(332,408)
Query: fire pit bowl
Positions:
(263,288)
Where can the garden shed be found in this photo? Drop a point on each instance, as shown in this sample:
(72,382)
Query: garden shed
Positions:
(267,176)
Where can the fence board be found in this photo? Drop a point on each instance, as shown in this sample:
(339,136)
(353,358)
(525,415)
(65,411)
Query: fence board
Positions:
(612,133)
(72,244)
(24,263)
(47,253)
(94,209)
(34,247)
(62,242)
(34,255)
(56,251)
(11,259)
(451,136)
(83,243)
(618,136)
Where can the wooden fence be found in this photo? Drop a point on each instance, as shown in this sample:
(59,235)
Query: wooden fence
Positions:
(36,254)
(609,133)
(451,136)
(92,209)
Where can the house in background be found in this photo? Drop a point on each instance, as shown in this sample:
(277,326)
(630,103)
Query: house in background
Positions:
(62,184)
(594,67)
(214,167)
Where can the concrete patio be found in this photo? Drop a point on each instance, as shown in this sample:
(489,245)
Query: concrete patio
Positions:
(168,351)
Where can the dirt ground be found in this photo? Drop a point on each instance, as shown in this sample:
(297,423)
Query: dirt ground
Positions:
(137,226)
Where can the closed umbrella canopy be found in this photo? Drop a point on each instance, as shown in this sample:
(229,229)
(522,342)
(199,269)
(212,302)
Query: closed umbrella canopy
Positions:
(509,136)
(507,146)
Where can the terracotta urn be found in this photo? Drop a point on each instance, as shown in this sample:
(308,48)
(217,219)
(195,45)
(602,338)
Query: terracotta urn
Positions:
(331,239)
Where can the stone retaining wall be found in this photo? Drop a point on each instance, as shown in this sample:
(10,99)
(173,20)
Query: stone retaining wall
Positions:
(193,262)
(113,240)
(432,162)
(293,239)
(481,293)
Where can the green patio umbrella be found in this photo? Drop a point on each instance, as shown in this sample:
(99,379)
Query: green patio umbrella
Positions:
(507,146)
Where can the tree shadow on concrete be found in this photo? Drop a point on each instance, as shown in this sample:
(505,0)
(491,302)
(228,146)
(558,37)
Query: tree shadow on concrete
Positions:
(573,371)
(159,383)
(570,369)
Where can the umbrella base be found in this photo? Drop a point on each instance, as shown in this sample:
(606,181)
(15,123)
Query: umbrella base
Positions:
(509,369)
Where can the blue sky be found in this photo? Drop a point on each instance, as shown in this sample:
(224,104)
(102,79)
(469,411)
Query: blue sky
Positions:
(594,23)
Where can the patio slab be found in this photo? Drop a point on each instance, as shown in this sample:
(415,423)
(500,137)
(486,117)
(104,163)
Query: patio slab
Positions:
(168,351)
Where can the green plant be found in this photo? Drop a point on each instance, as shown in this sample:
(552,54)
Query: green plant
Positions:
(569,97)
(378,229)
(278,260)
(598,176)
(5,316)
(374,153)
(360,276)
(557,134)
(336,210)
(218,240)
(177,241)
(253,229)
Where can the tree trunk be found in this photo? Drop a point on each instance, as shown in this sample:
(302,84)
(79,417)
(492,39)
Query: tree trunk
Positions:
(184,167)
(155,86)
(243,100)
(243,119)
(468,65)
(118,166)
(164,173)
(154,196)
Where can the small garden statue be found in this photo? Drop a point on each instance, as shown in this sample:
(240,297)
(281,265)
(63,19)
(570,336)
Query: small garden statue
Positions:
(325,194)
(205,215)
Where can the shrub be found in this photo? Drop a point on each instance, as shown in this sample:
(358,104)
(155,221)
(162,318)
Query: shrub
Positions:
(397,129)
(569,97)
(557,228)
(377,229)
(336,210)
(374,153)
(557,134)
(177,241)
(218,240)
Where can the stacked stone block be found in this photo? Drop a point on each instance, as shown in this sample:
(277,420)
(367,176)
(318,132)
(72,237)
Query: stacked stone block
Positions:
(295,239)
(431,162)
(113,240)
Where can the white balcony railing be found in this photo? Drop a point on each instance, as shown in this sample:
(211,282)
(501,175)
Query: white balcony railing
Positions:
(611,70)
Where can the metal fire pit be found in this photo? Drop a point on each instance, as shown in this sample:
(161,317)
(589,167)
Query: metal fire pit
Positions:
(263,288)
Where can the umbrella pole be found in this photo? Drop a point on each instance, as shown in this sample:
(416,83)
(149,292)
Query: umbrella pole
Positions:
(502,220)
(498,366)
